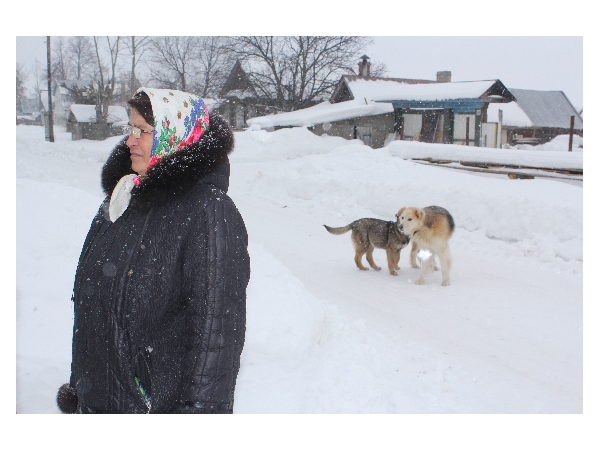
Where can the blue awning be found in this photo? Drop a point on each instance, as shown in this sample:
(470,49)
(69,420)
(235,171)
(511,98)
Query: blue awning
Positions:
(463,105)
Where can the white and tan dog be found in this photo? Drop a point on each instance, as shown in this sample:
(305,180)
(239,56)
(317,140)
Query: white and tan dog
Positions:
(430,229)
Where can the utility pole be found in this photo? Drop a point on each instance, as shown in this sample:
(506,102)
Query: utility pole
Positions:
(50,122)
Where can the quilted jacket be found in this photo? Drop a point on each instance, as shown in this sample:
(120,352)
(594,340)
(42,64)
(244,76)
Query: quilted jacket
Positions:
(160,294)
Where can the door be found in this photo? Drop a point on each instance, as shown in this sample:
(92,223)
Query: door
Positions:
(489,133)
(460,129)
(432,127)
(239,117)
(365,134)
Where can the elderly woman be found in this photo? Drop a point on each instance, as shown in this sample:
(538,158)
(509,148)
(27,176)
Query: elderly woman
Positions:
(160,288)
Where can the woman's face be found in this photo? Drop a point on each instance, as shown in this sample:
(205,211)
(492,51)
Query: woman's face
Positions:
(140,148)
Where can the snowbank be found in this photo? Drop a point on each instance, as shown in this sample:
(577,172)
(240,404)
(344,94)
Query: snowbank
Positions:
(323,337)
(535,157)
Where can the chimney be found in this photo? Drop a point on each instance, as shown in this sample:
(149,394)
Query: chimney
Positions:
(444,76)
(364,67)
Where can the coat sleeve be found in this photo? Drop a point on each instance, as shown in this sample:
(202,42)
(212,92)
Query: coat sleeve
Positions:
(217,309)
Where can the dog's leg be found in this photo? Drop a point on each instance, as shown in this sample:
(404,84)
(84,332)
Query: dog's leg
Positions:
(358,258)
(413,256)
(397,263)
(426,267)
(391,260)
(445,262)
(370,258)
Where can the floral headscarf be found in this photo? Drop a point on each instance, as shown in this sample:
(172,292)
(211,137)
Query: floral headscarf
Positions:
(180,119)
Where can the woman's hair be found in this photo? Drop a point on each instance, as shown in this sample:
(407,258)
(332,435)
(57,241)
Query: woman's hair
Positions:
(141,103)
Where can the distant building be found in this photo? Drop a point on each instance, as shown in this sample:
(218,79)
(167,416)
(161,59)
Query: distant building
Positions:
(377,110)
(536,117)
(30,112)
(82,122)
(239,100)
(62,98)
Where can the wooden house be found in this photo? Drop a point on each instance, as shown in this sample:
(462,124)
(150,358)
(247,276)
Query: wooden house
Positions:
(377,110)
(239,100)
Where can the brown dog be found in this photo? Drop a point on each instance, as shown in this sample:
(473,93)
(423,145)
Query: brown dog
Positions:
(430,229)
(368,234)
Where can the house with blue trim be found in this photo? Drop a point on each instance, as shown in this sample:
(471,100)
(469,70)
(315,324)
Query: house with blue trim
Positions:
(379,110)
(385,109)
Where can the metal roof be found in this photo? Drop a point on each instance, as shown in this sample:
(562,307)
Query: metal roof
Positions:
(547,108)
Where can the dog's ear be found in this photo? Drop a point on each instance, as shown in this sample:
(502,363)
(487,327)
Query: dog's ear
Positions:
(400,212)
(420,213)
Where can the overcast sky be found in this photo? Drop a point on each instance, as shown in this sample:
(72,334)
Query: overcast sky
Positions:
(542,63)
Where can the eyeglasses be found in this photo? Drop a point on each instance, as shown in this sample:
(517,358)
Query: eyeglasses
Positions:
(135,131)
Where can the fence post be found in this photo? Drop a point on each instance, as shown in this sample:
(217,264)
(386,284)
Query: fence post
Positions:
(499,130)
(571,133)
(467,137)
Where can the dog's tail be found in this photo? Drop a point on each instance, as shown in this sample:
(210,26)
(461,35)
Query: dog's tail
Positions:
(339,230)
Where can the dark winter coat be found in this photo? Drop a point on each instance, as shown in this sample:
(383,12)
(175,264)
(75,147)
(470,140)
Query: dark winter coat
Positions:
(160,294)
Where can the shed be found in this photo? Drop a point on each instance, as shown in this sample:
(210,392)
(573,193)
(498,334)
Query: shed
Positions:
(348,119)
(82,122)
(536,117)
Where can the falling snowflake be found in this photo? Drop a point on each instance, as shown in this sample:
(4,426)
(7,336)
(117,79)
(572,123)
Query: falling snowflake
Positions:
(424,254)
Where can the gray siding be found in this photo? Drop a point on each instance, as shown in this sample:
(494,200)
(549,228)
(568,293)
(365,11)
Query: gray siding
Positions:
(381,125)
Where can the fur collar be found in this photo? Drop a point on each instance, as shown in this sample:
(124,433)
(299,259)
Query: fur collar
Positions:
(203,161)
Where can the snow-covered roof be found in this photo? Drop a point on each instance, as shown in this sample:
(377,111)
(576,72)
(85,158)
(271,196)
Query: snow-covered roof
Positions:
(512,114)
(322,113)
(379,90)
(87,113)
(241,93)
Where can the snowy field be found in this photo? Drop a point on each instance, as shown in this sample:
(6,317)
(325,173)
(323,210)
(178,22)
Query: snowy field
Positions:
(323,337)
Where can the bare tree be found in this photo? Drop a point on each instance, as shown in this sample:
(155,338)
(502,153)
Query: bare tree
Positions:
(80,52)
(297,71)
(174,61)
(137,45)
(60,59)
(265,56)
(106,74)
(316,64)
(21,79)
(40,77)
(379,69)
(215,60)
